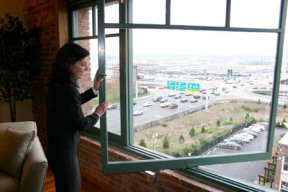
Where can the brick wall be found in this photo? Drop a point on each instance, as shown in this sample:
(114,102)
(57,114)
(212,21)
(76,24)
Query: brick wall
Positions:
(282,153)
(165,180)
(51,15)
(42,13)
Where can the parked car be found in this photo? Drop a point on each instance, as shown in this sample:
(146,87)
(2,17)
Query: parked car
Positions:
(216,93)
(250,132)
(147,104)
(172,106)
(254,126)
(139,112)
(265,124)
(244,139)
(196,96)
(184,100)
(255,129)
(236,140)
(262,127)
(251,137)
(112,106)
(230,145)
(188,94)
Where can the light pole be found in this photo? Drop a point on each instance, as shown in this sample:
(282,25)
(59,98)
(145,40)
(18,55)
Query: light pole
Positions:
(154,137)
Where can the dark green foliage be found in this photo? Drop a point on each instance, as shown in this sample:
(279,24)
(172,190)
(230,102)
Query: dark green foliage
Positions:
(142,143)
(166,143)
(192,132)
(203,130)
(181,139)
(19,55)
(218,123)
(247,116)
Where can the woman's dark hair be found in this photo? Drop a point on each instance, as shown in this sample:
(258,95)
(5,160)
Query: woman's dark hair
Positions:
(67,55)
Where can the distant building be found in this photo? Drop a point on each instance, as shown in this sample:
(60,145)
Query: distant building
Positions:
(281,173)
(116,72)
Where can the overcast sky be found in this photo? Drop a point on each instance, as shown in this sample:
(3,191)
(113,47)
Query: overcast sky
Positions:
(245,13)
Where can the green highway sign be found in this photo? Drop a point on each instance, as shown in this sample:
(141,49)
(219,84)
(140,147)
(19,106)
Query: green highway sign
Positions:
(193,87)
(171,85)
(180,86)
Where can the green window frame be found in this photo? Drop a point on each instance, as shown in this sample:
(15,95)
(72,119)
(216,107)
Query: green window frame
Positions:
(156,161)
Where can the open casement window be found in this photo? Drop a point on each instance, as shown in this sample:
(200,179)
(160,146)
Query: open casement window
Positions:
(183,76)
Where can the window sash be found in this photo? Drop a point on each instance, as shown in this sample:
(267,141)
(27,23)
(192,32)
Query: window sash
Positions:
(179,163)
(155,161)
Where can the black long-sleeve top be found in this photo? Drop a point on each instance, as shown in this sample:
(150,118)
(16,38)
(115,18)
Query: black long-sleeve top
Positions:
(65,118)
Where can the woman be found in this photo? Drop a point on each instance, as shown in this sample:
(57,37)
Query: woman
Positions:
(65,118)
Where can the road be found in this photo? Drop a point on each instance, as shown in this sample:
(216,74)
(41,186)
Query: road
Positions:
(155,112)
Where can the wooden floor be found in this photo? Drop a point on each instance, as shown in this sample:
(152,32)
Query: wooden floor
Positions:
(86,185)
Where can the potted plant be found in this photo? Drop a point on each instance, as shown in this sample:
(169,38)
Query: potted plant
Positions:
(19,55)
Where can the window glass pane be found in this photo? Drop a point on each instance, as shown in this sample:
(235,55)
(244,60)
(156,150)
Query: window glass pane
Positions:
(86,81)
(202,88)
(112,81)
(255,13)
(111,16)
(285,167)
(82,22)
(113,84)
(195,12)
(149,11)
(252,168)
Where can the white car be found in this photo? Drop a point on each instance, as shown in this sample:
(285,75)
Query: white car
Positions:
(252,129)
(147,104)
(163,100)
(244,139)
(164,105)
(171,94)
(139,112)
(255,128)
(251,137)
(193,100)
(262,127)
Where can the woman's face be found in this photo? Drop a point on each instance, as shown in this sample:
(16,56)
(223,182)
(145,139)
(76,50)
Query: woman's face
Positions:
(78,68)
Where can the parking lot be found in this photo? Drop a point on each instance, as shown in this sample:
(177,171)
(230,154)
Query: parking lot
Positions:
(252,168)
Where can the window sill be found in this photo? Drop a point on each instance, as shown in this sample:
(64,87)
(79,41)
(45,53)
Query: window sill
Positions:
(195,178)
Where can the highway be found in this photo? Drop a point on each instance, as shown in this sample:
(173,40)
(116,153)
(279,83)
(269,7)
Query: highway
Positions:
(154,112)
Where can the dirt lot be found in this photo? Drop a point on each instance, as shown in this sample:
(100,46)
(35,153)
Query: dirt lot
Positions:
(227,115)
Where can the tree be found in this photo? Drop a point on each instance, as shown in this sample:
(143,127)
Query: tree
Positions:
(142,143)
(203,130)
(19,54)
(181,139)
(166,143)
(192,132)
(218,123)
(247,116)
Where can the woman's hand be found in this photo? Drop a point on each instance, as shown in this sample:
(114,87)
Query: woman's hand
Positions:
(100,110)
(97,81)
